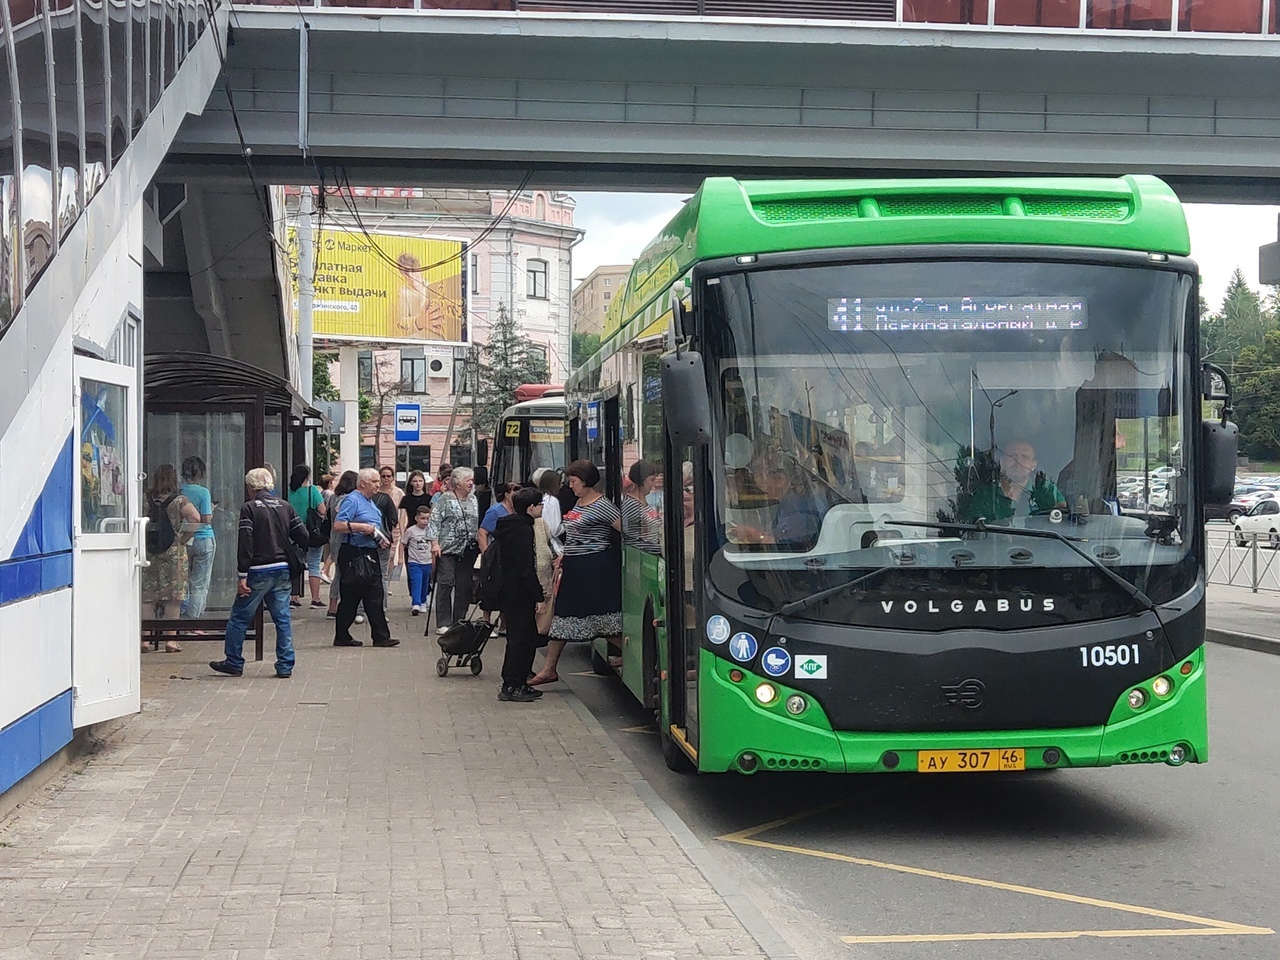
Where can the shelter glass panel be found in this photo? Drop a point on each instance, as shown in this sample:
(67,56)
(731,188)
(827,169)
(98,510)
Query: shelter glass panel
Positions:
(118,37)
(207,452)
(37,152)
(155,48)
(138,74)
(96,140)
(66,90)
(10,231)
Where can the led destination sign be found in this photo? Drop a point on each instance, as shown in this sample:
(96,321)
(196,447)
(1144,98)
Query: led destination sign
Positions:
(956,314)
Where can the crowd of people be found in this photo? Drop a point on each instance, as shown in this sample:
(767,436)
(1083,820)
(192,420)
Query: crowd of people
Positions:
(556,544)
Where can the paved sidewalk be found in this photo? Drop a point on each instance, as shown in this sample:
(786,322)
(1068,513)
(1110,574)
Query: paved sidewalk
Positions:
(1239,617)
(364,809)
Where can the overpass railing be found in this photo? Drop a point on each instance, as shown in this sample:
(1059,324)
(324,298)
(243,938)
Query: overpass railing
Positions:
(1232,17)
(77,81)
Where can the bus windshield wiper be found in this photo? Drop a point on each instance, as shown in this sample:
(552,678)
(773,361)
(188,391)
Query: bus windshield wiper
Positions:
(797,605)
(982,526)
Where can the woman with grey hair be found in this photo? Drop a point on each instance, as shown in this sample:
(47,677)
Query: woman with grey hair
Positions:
(454,548)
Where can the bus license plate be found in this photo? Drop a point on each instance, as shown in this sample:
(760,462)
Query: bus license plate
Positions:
(970,761)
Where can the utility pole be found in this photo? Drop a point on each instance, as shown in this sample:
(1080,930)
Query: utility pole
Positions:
(474,382)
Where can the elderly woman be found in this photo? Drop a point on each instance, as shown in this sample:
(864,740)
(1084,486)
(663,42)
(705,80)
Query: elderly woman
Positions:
(455,520)
(589,601)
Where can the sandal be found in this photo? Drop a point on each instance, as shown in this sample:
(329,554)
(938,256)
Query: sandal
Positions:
(172,647)
(539,681)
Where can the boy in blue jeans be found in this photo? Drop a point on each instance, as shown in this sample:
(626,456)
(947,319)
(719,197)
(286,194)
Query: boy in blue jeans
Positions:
(418,559)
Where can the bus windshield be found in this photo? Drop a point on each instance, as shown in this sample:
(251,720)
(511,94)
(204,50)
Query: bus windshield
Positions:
(863,407)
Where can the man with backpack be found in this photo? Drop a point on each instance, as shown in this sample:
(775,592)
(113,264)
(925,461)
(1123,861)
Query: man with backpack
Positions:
(269,554)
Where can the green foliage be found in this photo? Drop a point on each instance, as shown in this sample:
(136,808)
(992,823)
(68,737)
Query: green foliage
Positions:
(584,346)
(1241,322)
(508,360)
(1257,388)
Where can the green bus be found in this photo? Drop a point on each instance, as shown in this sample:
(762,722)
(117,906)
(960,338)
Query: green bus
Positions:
(868,439)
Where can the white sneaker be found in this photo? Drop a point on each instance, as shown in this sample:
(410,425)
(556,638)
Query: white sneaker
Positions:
(359,618)
(415,609)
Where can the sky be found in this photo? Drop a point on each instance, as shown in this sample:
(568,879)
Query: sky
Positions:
(1223,237)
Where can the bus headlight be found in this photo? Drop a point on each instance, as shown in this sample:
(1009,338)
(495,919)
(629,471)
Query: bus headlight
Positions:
(796,704)
(766,694)
(1137,699)
(1161,686)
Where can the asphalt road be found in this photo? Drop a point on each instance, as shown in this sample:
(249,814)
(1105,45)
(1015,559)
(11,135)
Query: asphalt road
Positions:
(1132,862)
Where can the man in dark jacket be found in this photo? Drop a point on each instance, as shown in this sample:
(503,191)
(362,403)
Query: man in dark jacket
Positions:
(521,594)
(267,528)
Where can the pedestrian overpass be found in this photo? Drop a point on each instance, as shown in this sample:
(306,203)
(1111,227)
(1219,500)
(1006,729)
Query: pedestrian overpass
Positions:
(143,135)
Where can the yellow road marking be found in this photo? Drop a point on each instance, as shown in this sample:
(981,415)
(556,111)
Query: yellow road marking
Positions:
(1205,927)
(1062,935)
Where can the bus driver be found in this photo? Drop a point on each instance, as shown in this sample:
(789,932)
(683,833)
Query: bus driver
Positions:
(1019,489)
(797,519)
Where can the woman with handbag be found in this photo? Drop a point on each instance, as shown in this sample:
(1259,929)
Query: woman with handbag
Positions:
(589,600)
(308,503)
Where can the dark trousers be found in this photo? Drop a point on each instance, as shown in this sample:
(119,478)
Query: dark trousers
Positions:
(453,587)
(522,642)
(350,598)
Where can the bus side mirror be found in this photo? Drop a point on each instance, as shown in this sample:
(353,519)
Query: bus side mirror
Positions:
(1218,460)
(685,403)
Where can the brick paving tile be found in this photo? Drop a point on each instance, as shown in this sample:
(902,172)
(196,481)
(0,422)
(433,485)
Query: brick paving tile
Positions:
(364,809)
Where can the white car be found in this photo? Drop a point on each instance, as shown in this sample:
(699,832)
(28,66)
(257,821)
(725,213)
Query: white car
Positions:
(1164,473)
(1262,520)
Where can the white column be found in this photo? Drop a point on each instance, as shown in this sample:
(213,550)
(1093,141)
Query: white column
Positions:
(349,394)
(306,292)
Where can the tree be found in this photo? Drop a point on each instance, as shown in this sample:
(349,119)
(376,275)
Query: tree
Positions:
(1240,323)
(584,346)
(508,360)
(1257,389)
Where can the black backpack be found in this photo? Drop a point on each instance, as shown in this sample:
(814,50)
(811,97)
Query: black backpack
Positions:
(492,578)
(160,532)
(318,527)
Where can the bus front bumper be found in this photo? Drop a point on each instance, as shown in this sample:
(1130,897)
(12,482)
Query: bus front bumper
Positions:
(743,734)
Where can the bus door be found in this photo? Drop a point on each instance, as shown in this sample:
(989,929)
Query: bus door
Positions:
(613,448)
(683,645)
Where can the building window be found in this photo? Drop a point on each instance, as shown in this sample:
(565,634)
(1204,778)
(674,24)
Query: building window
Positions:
(365,360)
(607,295)
(475,273)
(608,282)
(413,374)
(537,280)
(368,455)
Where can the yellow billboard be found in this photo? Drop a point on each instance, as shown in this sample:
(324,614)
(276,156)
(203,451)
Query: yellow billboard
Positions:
(383,287)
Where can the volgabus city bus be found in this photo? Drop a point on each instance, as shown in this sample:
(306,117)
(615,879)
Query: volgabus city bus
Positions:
(888,420)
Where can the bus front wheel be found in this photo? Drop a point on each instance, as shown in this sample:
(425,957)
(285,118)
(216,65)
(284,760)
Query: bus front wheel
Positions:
(676,759)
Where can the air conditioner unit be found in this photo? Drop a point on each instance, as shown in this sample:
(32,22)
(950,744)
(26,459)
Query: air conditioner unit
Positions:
(439,368)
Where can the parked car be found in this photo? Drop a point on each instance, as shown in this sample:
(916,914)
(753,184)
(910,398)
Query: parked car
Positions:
(1231,512)
(1262,520)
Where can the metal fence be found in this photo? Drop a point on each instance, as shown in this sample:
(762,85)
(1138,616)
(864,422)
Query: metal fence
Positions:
(1242,559)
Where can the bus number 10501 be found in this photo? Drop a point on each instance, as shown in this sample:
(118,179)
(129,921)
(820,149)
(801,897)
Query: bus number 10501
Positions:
(1110,655)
